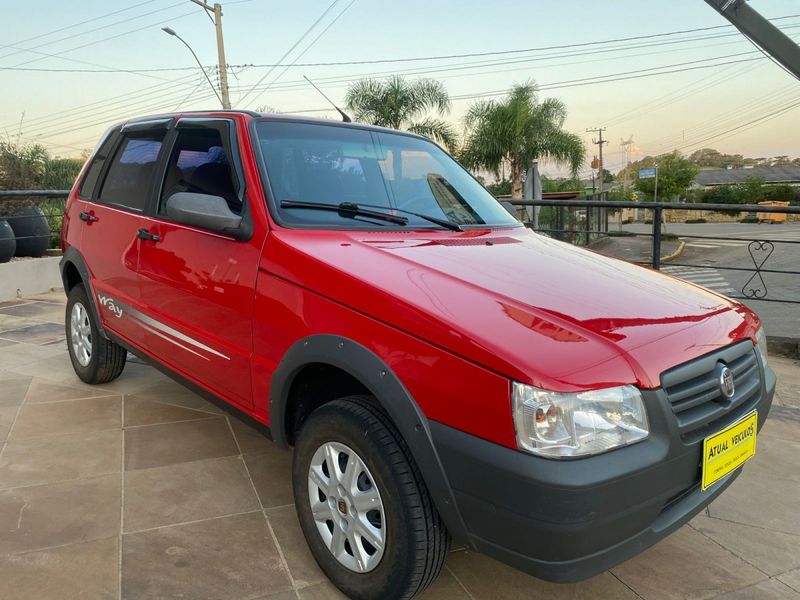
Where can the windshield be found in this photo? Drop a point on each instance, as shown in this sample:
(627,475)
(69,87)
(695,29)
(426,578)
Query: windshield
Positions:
(332,164)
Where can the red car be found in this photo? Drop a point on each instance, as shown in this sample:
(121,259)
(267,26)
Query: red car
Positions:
(441,371)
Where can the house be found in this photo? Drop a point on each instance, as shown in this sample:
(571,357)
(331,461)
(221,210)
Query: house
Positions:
(708,178)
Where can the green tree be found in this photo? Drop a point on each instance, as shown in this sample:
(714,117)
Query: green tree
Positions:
(22,166)
(781,192)
(561,184)
(519,129)
(60,173)
(401,104)
(675,175)
(500,188)
(720,194)
(31,167)
(750,191)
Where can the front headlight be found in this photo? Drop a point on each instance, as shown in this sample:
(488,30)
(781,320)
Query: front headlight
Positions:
(761,344)
(556,425)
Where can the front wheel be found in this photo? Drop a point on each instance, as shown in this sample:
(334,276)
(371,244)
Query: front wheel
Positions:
(94,358)
(363,506)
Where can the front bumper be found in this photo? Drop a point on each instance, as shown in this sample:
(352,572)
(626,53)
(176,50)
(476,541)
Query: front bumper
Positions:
(567,520)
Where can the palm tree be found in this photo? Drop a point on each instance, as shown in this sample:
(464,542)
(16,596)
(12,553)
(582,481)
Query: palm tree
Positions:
(401,104)
(517,130)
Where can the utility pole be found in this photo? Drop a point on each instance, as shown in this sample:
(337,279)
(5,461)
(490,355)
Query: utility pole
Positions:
(626,146)
(223,66)
(599,141)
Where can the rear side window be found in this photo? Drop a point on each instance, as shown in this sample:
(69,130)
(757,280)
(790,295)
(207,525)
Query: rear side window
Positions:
(130,176)
(93,172)
(200,164)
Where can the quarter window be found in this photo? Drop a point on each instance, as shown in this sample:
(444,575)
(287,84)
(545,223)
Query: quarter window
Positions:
(130,176)
(86,191)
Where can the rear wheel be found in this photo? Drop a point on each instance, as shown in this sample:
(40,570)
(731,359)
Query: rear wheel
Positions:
(363,506)
(94,358)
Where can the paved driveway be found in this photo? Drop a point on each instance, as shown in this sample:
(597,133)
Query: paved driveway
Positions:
(140,489)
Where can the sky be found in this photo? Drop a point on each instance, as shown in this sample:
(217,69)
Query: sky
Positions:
(69,70)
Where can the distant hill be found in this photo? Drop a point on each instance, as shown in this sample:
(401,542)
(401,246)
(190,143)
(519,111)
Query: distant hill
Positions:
(708,158)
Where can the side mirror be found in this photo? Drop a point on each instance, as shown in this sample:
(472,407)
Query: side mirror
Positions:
(204,211)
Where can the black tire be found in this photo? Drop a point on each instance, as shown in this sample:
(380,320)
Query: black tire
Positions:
(417,541)
(107,359)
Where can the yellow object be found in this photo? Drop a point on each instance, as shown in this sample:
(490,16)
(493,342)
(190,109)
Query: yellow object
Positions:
(729,449)
(772,217)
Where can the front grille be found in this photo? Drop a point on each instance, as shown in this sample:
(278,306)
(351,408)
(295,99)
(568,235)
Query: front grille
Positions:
(695,396)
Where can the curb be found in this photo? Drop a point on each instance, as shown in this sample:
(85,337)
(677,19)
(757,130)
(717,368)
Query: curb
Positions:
(783,346)
(675,254)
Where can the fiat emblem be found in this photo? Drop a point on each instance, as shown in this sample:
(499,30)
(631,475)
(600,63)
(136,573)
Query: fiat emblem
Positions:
(726,385)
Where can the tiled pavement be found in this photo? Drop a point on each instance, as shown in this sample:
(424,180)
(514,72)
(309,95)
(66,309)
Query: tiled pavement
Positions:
(140,489)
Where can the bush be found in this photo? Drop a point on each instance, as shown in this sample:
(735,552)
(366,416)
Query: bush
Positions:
(621,234)
(749,220)
(700,220)
(500,188)
(648,221)
(669,237)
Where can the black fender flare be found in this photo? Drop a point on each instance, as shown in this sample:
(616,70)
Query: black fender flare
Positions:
(73,257)
(394,398)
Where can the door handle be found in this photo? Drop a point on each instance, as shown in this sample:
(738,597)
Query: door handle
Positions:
(85,216)
(143,234)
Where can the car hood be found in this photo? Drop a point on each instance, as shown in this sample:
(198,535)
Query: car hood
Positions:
(520,304)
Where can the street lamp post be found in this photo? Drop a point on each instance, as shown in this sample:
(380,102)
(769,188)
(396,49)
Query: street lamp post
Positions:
(172,32)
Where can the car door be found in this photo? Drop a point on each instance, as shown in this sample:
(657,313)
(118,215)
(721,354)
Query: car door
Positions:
(197,285)
(113,216)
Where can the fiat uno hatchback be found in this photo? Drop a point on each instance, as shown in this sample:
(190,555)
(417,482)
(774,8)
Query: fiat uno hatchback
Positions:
(442,372)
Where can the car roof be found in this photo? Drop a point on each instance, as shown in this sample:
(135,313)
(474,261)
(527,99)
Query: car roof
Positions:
(288,117)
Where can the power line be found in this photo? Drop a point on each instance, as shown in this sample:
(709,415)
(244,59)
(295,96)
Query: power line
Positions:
(747,125)
(19,50)
(445,67)
(518,51)
(66,27)
(413,70)
(353,77)
(307,48)
(86,45)
(606,79)
(556,85)
(289,51)
(712,129)
(736,113)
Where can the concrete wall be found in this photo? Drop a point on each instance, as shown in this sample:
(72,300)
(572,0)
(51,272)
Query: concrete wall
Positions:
(27,277)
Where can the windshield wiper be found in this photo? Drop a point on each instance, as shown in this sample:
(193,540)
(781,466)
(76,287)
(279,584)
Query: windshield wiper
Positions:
(350,209)
(346,209)
(446,223)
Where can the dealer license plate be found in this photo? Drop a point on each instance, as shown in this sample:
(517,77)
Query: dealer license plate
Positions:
(729,449)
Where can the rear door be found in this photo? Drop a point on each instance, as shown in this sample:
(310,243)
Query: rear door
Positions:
(113,216)
(197,285)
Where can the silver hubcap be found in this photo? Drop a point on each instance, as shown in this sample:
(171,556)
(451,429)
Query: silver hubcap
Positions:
(347,507)
(80,334)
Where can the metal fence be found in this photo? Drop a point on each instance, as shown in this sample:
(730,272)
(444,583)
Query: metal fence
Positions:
(760,250)
(576,221)
(577,225)
(50,202)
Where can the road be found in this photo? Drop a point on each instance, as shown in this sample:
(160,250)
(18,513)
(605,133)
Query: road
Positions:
(708,257)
